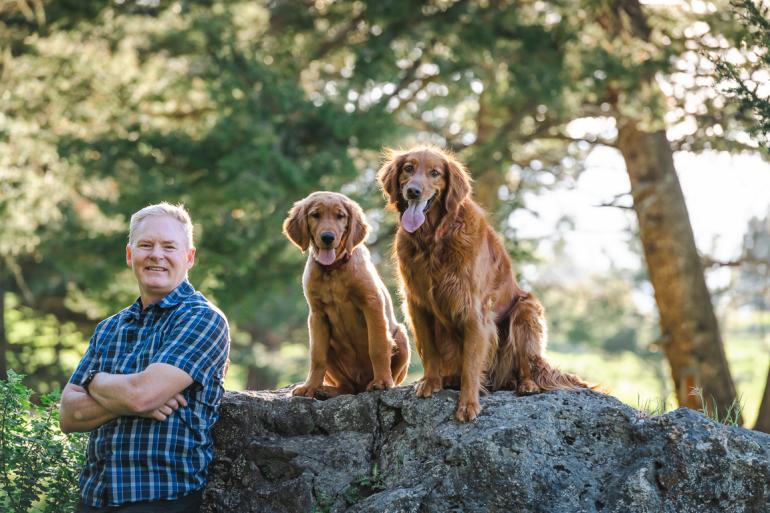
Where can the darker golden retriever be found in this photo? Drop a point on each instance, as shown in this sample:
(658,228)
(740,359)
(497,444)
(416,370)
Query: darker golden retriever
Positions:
(471,321)
(356,343)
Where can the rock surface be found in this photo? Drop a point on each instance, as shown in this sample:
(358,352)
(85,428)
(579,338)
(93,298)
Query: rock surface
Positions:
(556,452)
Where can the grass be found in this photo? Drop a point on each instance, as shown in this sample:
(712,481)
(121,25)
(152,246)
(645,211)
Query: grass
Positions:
(639,382)
(646,384)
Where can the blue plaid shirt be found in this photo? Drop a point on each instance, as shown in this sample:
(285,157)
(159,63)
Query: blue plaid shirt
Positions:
(131,458)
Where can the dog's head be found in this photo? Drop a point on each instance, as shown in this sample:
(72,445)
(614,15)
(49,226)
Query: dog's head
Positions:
(330,222)
(420,179)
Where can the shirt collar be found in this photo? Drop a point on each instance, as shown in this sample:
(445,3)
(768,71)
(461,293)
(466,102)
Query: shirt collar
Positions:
(177,295)
(172,299)
(135,310)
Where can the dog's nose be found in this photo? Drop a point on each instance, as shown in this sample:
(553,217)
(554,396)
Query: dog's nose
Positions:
(413,192)
(327,237)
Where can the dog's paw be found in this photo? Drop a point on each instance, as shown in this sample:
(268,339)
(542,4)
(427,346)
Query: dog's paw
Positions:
(325,392)
(467,410)
(304,390)
(380,384)
(426,387)
(527,386)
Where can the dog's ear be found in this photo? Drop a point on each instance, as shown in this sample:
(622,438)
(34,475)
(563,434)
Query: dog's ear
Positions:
(358,228)
(458,185)
(388,175)
(295,225)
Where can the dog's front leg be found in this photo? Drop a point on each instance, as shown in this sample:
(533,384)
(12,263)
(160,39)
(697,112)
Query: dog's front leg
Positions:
(476,340)
(423,326)
(319,349)
(380,344)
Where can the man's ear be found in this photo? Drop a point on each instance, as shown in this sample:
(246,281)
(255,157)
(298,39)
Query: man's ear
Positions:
(388,175)
(129,255)
(295,225)
(358,228)
(191,257)
(458,186)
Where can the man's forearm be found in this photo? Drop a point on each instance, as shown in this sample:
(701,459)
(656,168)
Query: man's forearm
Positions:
(118,393)
(80,412)
(140,393)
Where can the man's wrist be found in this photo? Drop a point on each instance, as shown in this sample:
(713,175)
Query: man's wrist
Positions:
(89,378)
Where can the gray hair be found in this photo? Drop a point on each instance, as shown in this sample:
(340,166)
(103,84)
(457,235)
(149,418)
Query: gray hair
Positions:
(177,212)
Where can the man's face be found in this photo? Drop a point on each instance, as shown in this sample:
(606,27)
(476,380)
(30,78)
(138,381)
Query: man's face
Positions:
(159,257)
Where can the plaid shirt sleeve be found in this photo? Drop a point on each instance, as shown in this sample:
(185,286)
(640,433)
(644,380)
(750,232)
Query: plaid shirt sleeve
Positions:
(198,344)
(89,361)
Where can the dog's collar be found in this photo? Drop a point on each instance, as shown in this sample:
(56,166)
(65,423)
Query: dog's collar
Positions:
(344,259)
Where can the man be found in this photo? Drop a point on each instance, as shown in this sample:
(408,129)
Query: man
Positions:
(149,386)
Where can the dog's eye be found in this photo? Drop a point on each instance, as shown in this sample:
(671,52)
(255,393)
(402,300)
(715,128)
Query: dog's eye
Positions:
(315,215)
(435,173)
(408,168)
(341,215)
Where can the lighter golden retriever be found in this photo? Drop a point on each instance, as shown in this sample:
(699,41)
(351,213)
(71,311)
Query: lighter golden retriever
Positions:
(472,323)
(356,343)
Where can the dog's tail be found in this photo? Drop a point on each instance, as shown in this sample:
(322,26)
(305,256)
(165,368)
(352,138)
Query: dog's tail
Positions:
(527,329)
(548,377)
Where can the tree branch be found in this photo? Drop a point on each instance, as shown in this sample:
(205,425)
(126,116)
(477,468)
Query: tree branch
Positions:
(711,262)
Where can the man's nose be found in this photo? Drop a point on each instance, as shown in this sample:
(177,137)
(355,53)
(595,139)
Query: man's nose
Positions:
(413,192)
(327,237)
(156,251)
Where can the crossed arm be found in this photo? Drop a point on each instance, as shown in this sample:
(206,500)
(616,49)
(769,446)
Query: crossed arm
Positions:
(156,393)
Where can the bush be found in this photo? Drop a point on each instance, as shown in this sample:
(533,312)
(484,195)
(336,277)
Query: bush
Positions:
(39,465)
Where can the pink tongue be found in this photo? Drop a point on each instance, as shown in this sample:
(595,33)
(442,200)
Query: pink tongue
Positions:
(326,256)
(413,217)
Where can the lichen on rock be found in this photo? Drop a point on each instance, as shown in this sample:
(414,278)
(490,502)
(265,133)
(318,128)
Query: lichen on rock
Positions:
(555,452)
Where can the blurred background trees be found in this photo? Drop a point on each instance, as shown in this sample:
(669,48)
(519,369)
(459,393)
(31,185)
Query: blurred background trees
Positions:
(238,109)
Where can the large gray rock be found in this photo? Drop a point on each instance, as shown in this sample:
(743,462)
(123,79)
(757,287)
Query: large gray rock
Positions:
(555,452)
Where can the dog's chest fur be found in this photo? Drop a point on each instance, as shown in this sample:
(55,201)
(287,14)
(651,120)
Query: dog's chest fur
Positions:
(329,290)
(425,268)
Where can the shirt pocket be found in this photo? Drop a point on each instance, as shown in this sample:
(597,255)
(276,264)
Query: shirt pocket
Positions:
(137,358)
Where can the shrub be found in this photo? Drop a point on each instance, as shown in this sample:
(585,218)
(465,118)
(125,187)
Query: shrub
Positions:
(39,465)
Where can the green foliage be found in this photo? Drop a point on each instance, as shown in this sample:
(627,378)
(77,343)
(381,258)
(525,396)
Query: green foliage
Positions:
(364,486)
(44,347)
(193,102)
(40,465)
(599,312)
(240,108)
(749,75)
(323,503)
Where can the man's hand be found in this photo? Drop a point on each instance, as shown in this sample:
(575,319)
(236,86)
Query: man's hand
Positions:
(165,411)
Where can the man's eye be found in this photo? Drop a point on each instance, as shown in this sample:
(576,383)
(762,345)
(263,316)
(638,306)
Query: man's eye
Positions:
(435,173)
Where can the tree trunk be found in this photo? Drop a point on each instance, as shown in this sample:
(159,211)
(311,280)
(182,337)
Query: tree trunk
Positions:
(486,188)
(487,177)
(690,332)
(260,378)
(763,417)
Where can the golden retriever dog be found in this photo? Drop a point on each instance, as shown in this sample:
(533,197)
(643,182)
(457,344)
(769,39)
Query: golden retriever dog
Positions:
(356,343)
(471,321)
